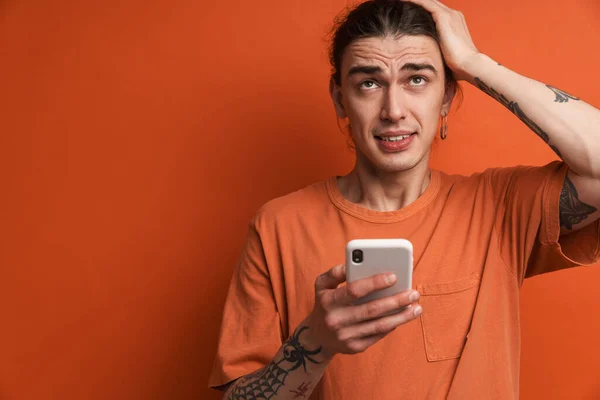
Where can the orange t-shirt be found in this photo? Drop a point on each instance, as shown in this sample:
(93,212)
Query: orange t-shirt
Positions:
(475,239)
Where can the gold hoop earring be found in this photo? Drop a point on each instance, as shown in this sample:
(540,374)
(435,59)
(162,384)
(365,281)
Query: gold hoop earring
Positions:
(444,127)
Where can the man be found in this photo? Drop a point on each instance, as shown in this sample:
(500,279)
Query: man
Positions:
(395,66)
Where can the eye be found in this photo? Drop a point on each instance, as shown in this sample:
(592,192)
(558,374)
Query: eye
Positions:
(368,85)
(418,80)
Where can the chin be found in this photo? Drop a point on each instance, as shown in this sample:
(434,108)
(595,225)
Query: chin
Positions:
(396,166)
(392,163)
(396,162)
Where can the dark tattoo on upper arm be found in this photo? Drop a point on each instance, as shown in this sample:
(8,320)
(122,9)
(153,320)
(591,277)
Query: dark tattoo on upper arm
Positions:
(266,382)
(515,109)
(572,210)
(561,96)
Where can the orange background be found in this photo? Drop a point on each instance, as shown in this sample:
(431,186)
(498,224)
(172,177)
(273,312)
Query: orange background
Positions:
(139,137)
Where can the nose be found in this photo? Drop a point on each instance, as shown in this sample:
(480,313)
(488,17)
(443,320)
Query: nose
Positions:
(394,105)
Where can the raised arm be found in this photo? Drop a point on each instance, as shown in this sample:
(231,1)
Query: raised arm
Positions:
(567,124)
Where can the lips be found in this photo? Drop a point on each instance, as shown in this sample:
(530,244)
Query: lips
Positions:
(392,142)
(394,136)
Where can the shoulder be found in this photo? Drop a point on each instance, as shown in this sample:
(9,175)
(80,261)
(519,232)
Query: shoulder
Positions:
(457,183)
(293,206)
(501,181)
(527,178)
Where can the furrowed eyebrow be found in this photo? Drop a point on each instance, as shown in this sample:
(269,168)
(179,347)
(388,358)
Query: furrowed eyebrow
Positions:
(372,69)
(418,67)
(364,69)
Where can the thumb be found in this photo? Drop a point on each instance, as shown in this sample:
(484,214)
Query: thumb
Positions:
(332,278)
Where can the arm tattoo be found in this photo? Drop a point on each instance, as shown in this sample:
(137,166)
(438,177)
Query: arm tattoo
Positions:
(294,352)
(515,109)
(561,96)
(266,382)
(572,210)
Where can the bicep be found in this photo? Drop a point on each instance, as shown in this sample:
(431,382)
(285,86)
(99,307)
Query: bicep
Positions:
(579,202)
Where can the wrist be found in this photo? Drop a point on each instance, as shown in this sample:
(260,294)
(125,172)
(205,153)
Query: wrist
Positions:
(312,340)
(474,66)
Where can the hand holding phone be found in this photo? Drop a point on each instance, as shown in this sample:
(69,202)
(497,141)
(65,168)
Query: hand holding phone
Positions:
(350,318)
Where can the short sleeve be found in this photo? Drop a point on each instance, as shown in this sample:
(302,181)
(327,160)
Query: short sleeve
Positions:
(250,330)
(528,222)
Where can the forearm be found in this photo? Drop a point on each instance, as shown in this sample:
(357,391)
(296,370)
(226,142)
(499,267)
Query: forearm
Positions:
(293,372)
(568,125)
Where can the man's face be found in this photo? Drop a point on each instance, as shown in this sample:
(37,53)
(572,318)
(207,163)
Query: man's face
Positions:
(393,93)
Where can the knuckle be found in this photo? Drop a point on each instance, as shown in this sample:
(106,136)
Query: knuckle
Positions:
(401,302)
(341,336)
(353,291)
(355,347)
(381,326)
(332,322)
(337,271)
(381,282)
(396,303)
(372,309)
(334,296)
(322,301)
(404,299)
(330,272)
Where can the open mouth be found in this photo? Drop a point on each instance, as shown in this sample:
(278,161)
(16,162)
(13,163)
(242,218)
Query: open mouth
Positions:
(392,139)
(393,143)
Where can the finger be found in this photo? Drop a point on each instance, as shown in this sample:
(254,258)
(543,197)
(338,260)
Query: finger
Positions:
(442,5)
(379,326)
(332,278)
(380,307)
(362,287)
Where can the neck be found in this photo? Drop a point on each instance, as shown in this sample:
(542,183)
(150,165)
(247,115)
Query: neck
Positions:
(379,190)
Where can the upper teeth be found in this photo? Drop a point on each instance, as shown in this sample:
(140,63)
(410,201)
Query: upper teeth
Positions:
(394,138)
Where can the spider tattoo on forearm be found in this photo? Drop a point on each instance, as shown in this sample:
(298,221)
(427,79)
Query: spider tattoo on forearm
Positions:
(295,353)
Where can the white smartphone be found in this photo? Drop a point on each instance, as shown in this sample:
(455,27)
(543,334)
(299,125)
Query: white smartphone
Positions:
(368,257)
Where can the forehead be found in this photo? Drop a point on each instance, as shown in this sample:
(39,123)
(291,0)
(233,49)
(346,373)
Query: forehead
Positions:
(387,52)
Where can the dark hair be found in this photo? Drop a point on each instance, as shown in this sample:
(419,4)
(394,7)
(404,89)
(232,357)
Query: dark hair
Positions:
(379,18)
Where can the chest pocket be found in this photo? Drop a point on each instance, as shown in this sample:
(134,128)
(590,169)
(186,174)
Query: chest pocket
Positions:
(447,314)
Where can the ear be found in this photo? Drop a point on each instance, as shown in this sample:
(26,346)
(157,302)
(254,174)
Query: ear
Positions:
(335,91)
(448,97)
